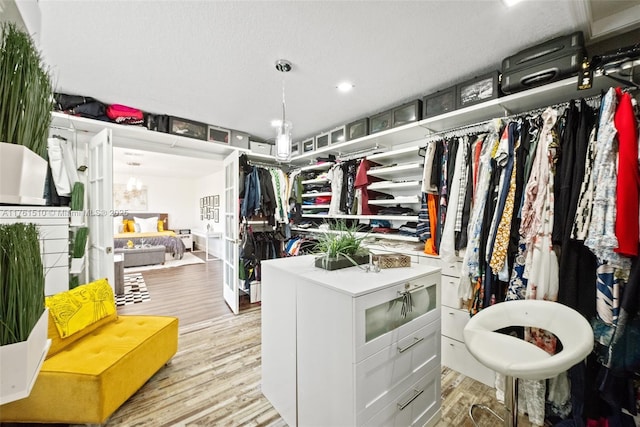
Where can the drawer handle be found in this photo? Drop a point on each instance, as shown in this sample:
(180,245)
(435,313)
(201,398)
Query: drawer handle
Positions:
(416,393)
(416,340)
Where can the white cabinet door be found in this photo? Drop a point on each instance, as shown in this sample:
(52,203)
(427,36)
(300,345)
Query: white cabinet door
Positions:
(100,204)
(230,274)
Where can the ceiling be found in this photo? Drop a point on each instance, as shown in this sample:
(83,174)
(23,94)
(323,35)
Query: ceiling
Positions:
(128,162)
(213,61)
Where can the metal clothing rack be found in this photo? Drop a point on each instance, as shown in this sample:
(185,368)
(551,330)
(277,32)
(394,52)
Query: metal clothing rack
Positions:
(487,126)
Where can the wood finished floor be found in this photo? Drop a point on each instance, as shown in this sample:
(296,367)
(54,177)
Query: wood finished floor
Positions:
(214,379)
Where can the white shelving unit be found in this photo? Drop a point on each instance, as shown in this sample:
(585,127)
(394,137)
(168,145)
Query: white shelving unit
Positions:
(393,202)
(398,237)
(543,96)
(390,185)
(310,195)
(315,181)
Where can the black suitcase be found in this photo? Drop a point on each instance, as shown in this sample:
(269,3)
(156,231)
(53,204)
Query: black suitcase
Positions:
(545,63)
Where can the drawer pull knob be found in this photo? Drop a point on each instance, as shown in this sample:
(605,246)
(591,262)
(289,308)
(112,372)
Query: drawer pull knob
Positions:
(416,340)
(416,393)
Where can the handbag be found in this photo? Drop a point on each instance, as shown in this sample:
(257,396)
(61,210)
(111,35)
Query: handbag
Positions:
(125,115)
(66,102)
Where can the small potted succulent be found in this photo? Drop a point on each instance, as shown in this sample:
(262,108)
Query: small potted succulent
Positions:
(77,204)
(78,250)
(341,247)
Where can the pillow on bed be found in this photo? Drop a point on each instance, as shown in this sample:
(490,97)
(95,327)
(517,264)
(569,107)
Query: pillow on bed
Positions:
(129,226)
(118,225)
(147,225)
(160,225)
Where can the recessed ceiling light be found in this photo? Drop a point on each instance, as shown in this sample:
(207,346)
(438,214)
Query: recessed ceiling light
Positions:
(510,3)
(345,86)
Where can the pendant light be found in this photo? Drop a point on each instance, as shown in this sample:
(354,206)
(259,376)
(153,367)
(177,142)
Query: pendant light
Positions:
(283,137)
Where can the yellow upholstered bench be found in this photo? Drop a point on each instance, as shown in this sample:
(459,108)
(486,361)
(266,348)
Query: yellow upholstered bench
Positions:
(90,373)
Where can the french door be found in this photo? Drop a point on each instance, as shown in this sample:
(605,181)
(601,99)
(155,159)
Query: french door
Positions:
(230,274)
(100,205)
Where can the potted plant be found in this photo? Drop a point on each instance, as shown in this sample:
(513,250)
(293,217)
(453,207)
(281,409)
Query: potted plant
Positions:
(340,248)
(77,204)
(26,101)
(78,250)
(23,317)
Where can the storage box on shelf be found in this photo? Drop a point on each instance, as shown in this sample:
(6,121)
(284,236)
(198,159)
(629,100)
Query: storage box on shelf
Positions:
(330,340)
(553,93)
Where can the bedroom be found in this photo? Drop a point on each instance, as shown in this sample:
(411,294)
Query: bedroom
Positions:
(164,183)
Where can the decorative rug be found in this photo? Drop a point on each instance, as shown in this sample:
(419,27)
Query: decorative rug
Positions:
(135,290)
(187,259)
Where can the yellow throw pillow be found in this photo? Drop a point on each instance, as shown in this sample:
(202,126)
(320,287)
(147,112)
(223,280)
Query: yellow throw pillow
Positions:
(129,226)
(78,308)
(160,225)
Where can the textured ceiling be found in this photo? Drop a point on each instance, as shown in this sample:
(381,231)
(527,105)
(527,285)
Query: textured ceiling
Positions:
(213,61)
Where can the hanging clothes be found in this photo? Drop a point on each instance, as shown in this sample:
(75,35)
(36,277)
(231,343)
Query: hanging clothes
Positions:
(628,179)
(429,185)
(601,238)
(447,243)
(335,176)
(471,270)
(361,182)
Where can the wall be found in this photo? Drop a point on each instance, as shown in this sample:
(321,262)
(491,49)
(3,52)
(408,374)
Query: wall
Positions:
(210,185)
(175,196)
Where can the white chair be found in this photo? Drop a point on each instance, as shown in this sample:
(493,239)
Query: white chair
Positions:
(516,358)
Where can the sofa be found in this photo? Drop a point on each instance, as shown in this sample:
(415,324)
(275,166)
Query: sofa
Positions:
(97,359)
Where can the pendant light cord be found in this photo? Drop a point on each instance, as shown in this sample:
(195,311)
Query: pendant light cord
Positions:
(283,108)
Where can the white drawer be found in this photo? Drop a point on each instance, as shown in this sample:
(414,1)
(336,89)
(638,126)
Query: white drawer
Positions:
(451,268)
(429,260)
(55,260)
(56,280)
(449,291)
(379,378)
(415,407)
(453,322)
(456,356)
(378,319)
(55,246)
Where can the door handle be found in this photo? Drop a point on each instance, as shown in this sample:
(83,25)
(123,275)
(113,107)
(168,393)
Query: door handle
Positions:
(416,393)
(416,340)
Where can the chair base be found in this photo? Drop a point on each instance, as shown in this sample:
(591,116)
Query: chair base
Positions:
(510,403)
(484,408)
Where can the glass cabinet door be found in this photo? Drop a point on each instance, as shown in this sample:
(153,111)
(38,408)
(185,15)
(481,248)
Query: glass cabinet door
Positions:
(406,306)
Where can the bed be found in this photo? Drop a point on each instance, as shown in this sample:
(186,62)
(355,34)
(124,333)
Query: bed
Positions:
(152,235)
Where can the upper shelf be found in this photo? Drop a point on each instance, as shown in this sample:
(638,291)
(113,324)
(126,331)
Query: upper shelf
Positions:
(141,138)
(543,96)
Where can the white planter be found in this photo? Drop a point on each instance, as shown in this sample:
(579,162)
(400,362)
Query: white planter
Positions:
(77,218)
(76,265)
(21,362)
(22,175)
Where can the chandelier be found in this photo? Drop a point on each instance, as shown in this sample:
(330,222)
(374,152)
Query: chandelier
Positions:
(134,184)
(283,137)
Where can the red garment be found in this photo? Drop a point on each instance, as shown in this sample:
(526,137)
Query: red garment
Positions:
(362,181)
(628,184)
(323,200)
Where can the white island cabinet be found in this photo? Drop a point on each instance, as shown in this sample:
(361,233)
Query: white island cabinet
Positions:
(351,348)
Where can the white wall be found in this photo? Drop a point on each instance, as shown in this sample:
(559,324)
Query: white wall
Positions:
(210,185)
(175,196)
